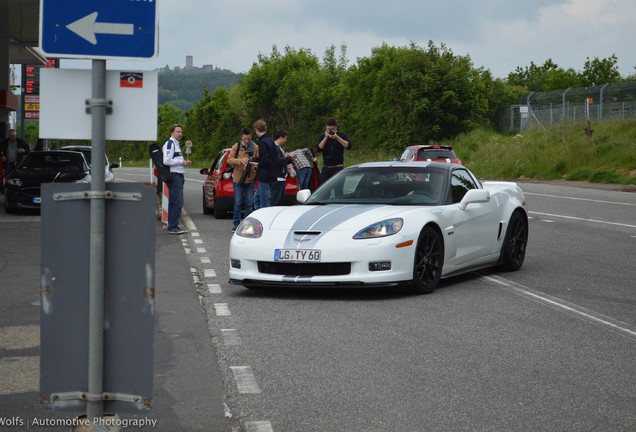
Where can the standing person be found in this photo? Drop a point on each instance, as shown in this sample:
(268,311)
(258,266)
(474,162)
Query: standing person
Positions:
(244,182)
(303,164)
(267,164)
(332,144)
(40,145)
(12,151)
(173,158)
(277,194)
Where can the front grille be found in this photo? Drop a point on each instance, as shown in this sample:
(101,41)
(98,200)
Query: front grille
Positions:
(304,269)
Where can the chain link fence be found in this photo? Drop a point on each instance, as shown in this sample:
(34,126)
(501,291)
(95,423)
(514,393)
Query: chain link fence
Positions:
(605,102)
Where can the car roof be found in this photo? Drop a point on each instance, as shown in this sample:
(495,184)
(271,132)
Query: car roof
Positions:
(401,164)
(83,147)
(430,146)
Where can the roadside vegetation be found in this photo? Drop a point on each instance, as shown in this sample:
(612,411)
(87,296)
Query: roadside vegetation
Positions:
(399,96)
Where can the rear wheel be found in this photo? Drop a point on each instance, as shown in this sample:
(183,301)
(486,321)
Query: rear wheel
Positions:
(429,259)
(513,251)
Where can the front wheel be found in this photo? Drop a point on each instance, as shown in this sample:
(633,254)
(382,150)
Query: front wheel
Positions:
(513,251)
(206,210)
(429,259)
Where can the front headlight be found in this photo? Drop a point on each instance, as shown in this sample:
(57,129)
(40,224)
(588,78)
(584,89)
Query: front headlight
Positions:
(15,182)
(381,229)
(250,228)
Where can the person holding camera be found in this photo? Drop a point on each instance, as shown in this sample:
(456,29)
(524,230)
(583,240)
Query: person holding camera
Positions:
(332,144)
(242,153)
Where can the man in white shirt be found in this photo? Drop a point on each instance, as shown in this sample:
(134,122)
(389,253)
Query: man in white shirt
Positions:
(173,158)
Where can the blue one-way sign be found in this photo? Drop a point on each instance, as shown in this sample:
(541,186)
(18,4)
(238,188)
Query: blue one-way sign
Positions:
(99,29)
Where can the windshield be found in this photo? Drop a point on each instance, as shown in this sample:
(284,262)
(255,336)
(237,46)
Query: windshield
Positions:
(435,153)
(403,185)
(42,161)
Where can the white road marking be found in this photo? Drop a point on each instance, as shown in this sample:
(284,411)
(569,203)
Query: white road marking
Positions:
(245,379)
(205,260)
(584,219)
(215,289)
(221,309)
(230,337)
(576,310)
(209,273)
(197,241)
(201,250)
(580,199)
(259,426)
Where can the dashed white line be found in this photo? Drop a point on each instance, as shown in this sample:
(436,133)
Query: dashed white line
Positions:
(580,199)
(245,379)
(201,250)
(221,309)
(230,337)
(197,241)
(214,289)
(259,426)
(205,260)
(209,273)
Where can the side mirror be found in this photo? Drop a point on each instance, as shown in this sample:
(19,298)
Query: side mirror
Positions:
(474,196)
(204,171)
(303,195)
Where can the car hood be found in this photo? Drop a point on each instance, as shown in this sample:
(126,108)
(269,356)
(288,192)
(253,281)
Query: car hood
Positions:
(331,217)
(33,178)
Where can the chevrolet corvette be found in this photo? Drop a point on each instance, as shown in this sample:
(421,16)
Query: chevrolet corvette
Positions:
(384,224)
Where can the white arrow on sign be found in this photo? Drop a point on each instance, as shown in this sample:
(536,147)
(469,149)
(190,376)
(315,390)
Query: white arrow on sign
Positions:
(87,27)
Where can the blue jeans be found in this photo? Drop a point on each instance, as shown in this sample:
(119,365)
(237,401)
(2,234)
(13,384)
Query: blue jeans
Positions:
(277,193)
(304,177)
(262,194)
(327,172)
(175,200)
(243,194)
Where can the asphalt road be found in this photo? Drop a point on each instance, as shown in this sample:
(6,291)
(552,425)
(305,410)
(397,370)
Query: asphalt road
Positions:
(550,347)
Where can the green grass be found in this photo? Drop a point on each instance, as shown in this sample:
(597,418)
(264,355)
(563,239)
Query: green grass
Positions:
(564,153)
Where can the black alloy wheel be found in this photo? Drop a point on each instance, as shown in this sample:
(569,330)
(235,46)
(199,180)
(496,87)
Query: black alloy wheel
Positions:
(429,259)
(514,248)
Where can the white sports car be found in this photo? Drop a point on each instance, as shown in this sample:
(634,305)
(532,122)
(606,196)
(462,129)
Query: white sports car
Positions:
(384,224)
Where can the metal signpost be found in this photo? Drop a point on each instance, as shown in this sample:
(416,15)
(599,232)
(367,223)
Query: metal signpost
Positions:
(98,30)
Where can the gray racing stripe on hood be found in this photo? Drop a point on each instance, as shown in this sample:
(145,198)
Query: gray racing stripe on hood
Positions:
(324,219)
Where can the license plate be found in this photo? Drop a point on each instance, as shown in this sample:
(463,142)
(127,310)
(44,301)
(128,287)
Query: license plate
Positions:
(298,255)
(37,200)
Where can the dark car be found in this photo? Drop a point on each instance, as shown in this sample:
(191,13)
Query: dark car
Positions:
(218,188)
(430,153)
(109,177)
(22,186)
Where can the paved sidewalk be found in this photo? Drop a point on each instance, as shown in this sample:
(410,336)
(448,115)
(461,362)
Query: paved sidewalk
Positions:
(188,388)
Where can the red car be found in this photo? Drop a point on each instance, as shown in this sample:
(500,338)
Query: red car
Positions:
(218,188)
(431,153)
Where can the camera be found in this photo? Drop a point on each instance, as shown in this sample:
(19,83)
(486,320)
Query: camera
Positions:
(332,132)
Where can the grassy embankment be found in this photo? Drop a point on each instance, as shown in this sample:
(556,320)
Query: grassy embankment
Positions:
(564,153)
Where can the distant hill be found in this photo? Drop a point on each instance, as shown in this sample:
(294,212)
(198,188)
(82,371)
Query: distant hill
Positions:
(182,89)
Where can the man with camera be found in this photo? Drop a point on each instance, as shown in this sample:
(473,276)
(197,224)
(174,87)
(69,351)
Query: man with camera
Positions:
(242,153)
(332,144)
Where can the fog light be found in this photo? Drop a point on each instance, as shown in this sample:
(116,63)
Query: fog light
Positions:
(235,263)
(380,266)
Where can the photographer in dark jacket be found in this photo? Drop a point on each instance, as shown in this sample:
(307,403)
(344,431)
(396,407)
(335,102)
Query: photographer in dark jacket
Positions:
(267,164)
(277,194)
(332,144)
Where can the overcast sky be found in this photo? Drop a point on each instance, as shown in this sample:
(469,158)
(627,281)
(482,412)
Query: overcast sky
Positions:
(497,34)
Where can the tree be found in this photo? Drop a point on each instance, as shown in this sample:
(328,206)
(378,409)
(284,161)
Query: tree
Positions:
(600,71)
(408,95)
